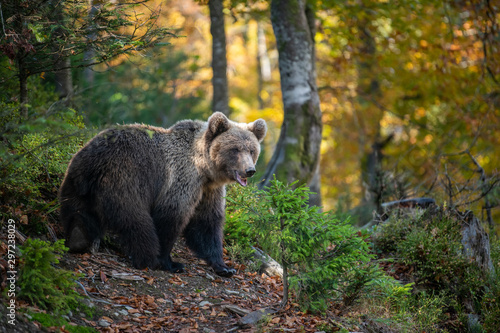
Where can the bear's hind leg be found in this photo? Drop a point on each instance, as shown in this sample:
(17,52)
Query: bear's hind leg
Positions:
(168,233)
(139,239)
(81,228)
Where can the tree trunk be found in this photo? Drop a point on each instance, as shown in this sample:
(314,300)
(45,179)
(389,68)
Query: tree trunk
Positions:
(89,53)
(64,79)
(62,64)
(297,152)
(368,93)
(263,63)
(284,264)
(220,101)
(23,89)
(475,241)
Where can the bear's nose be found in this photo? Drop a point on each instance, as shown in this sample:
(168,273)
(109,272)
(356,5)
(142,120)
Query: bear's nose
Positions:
(250,172)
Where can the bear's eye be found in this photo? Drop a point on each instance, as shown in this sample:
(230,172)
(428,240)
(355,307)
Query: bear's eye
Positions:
(252,152)
(235,150)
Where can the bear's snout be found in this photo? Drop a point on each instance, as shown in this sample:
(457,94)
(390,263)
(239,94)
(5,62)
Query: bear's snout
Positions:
(250,172)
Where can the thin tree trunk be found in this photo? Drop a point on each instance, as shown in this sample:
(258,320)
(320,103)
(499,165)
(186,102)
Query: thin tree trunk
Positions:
(23,89)
(263,64)
(64,79)
(62,64)
(220,101)
(315,183)
(297,152)
(284,264)
(368,91)
(89,53)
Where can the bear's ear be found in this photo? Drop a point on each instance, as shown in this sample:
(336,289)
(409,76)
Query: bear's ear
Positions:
(217,124)
(259,128)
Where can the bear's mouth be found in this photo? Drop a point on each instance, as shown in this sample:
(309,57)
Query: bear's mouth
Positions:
(242,181)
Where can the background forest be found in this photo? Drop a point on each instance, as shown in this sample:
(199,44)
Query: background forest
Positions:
(408,91)
(403,96)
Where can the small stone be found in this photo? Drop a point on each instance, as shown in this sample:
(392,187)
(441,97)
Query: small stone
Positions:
(232,292)
(254,317)
(103,323)
(204,303)
(123,312)
(208,330)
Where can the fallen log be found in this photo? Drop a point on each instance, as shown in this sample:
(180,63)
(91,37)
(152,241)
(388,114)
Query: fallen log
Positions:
(269,266)
(409,203)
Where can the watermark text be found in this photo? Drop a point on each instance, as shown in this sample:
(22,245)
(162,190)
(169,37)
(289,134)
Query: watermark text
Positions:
(11,272)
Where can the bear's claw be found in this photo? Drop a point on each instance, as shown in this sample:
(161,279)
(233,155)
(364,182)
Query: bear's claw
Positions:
(172,266)
(224,271)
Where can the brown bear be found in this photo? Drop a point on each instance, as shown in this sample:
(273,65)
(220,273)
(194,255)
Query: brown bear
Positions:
(149,185)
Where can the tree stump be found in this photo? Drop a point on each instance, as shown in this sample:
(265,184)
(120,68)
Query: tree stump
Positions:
(475,241)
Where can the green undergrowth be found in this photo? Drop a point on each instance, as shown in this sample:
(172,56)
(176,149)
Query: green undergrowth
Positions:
(51,321)
(34,156)
(438,289)
(41,283)
(449,288)
(50,289)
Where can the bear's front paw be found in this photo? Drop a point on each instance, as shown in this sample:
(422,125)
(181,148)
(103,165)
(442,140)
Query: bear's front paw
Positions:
(224,271)
(176,267)
(172,266)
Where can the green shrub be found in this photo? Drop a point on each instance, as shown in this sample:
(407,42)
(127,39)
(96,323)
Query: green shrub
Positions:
(40,282)
(391,292)
(33,160)
(428,312)
(431,245)
(320,253)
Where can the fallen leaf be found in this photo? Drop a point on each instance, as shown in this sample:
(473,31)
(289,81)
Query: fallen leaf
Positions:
(290,321)
(103,276)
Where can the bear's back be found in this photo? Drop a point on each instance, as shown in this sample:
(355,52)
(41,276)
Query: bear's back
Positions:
(132,154)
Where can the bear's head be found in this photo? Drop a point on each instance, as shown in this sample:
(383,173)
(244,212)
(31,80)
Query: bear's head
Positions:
(234,147)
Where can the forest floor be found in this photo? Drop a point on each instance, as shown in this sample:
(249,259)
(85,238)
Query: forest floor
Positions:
(131,300)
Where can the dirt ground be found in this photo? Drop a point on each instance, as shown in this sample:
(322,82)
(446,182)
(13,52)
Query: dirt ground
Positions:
(131,300)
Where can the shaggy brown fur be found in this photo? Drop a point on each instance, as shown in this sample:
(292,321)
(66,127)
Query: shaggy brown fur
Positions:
(150,184)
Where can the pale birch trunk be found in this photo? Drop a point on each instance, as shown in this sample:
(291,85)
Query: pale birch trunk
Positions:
(263,64)
(297,152)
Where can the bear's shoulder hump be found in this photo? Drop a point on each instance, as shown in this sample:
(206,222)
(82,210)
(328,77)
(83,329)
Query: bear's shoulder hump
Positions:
(188,125)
